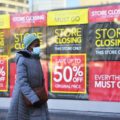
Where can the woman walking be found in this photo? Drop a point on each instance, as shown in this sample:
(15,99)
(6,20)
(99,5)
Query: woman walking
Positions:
(29,75)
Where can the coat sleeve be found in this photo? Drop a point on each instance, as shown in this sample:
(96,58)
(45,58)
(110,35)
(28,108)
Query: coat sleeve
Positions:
(22,79)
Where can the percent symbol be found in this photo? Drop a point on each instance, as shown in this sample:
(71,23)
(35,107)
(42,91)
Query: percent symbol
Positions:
(2,72)
(78,71)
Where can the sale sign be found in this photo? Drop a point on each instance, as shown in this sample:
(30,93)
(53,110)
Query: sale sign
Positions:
(104,42)
(68,73)
(4,41)
(66,39)
(3,73)
(18,34)
(67,17)
(104,14)
(28,19)
(104,81)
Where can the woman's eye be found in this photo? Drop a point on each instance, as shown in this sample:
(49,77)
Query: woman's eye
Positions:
(36,45)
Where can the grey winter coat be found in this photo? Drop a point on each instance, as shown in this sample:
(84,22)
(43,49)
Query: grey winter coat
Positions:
(29,74)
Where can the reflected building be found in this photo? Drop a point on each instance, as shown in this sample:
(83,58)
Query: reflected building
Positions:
(97,2)
(38,5)
(13,6)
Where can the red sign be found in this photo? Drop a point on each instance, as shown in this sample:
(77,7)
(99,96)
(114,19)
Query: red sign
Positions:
(45,71)
(4,73)
(104,81)
(104,14)
(68,73)
(13,76)
(28,19)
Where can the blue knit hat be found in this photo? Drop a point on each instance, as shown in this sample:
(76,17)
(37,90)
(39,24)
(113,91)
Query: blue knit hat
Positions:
(28,39)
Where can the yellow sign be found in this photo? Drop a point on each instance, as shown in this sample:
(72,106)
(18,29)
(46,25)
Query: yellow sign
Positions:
(67,17)
(4,21)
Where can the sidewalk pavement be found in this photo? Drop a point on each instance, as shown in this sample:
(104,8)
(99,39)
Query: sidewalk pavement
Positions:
(73,115)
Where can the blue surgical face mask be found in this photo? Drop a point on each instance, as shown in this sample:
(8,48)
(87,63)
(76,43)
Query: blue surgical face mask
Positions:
(36,50)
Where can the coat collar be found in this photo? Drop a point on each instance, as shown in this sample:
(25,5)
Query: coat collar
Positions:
(28,54)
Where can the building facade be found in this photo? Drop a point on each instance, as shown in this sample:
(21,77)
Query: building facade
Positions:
(38,5)
(13,6)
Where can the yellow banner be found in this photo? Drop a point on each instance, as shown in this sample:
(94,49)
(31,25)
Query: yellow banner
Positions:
(4,21)
(67,17)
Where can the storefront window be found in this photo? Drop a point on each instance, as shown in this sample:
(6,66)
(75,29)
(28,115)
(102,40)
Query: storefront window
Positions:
(79,46)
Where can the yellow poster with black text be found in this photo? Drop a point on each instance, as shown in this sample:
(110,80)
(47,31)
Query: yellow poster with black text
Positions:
(4,41)
(67,17)
(104,41)
(18,35)
(67,39)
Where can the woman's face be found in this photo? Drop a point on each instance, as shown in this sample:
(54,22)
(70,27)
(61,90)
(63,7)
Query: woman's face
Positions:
(35,43)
